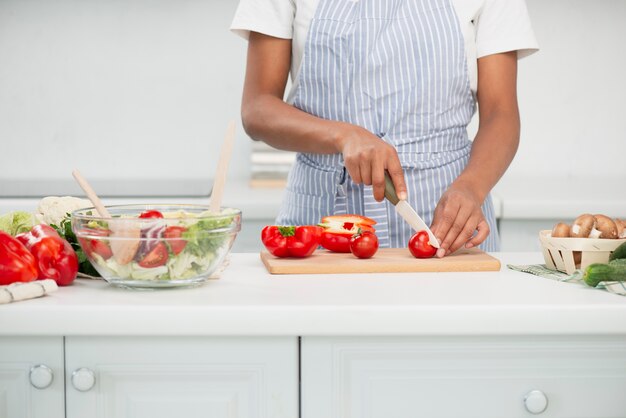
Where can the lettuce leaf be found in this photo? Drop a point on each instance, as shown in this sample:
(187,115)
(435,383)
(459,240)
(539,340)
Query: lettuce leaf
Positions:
(14,223)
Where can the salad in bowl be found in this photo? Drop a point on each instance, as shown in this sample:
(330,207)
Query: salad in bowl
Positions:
(156,245)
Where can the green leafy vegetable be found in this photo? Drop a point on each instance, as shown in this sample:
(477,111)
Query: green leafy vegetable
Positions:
(65,230)
(202,238)
(14,223)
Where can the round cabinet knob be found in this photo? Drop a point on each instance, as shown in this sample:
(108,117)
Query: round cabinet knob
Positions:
(536,402)
(41,376)
(83,379)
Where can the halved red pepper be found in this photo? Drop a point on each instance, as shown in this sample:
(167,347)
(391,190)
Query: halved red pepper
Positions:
(54,256)
(338,229)
(291,241)
(17,264)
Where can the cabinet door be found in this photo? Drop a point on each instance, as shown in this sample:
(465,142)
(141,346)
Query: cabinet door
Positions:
(31,377)
(463,377)
(165,377)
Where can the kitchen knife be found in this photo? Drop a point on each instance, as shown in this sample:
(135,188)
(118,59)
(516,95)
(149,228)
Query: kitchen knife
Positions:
(407,212)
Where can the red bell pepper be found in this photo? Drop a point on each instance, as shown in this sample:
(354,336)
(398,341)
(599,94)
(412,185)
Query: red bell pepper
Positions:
(338,229)
(291,241)
(17,264)
(54,257)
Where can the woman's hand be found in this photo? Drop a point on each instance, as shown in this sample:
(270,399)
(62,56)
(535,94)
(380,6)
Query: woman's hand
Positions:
(459,220)
(366,158)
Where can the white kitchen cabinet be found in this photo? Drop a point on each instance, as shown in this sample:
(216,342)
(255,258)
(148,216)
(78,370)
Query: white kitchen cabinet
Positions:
(31,377)
(158,377)
(464,377)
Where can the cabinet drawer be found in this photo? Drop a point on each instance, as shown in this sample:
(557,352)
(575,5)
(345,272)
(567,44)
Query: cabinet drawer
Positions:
(31,377)
(463,377)
(181,377)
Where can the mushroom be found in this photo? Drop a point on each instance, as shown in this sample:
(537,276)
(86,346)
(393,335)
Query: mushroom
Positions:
(621,228)
(561,230)
(606,226)
(585,227)
(578,256)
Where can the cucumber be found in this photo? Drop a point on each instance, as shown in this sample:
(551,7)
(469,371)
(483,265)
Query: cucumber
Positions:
(619,253)
(597,272)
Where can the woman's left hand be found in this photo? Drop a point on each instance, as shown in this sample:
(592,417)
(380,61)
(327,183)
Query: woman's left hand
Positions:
(458,220)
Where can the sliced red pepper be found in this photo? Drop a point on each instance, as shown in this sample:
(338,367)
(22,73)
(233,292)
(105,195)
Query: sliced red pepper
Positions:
(54,256)
(291,241)
(338,229)
(17,264)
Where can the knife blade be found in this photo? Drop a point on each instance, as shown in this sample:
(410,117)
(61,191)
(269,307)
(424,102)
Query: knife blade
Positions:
(407,212)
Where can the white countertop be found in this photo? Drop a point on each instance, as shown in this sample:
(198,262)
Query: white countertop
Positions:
(249,301)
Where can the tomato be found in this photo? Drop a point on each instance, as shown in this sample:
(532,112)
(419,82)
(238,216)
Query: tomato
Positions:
(150,214)
(156,257)
(172,235)
(420,247)
(364,244)
(291,241)
(97,246)
(101,248)
(338,229)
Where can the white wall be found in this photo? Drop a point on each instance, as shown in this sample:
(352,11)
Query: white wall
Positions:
(118,88)
(144,89)
(572,92)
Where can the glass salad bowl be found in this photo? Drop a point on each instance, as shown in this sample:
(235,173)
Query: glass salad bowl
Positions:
(149,246)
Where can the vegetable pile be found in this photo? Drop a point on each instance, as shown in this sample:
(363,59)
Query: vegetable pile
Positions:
(354,234)
(30,249)
(160,246)
(591,226)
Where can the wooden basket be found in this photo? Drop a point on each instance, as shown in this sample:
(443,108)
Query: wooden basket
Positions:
(559,252)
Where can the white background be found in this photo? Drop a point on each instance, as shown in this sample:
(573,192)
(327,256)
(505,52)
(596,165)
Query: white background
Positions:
(143,89)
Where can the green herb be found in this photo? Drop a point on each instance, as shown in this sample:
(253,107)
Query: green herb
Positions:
(65,231)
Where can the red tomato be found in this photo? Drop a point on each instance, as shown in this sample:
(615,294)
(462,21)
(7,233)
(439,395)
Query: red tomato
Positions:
(97,246)
(151,214)
(101,248)
(155,258)
(338,229)
(173,235)
(364,245)
(420,247)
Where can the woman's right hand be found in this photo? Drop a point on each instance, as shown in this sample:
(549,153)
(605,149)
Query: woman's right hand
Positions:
(366,158)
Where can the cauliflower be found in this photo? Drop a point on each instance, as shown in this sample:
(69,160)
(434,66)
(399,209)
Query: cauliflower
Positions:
(52,209)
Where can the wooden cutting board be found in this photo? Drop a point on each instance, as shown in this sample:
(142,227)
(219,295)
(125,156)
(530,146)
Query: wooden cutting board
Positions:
(386,260)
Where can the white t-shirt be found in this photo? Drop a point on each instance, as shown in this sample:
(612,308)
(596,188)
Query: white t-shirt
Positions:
(488,27)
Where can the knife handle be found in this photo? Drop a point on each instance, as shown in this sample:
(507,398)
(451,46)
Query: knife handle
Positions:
(390,190)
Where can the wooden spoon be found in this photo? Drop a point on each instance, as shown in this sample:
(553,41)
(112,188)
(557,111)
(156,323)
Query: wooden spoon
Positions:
(123,249)
(91,195)
(222,167)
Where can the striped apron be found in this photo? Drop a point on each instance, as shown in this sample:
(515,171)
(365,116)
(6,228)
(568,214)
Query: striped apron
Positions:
(396,68)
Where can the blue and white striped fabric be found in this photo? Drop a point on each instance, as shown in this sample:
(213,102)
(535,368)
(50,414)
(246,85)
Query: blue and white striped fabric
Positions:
(398,69)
